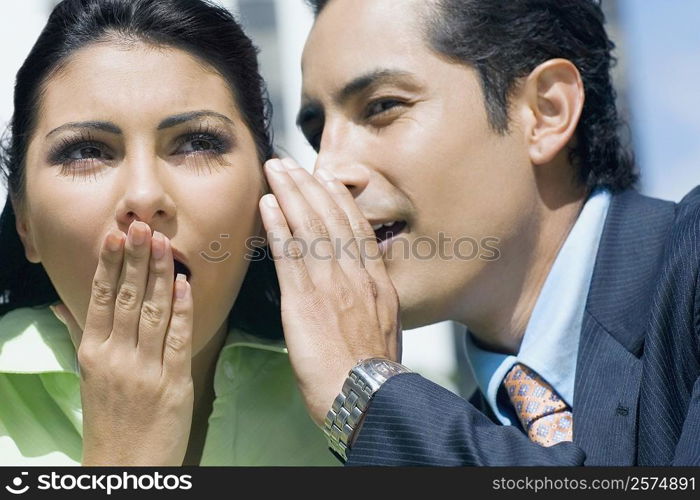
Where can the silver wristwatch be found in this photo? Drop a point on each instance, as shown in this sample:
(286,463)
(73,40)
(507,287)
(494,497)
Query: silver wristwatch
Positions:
(363,381)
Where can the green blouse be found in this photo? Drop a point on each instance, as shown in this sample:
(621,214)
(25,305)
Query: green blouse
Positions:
(258,416)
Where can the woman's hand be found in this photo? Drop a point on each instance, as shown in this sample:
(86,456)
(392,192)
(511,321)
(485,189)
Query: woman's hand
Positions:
(338,304)
(135,354)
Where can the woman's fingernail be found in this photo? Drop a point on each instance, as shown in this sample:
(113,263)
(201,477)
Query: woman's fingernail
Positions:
(114,242)
(180,286)
(137,233)
(325,174)
(157,245)
(270,201)
(275,165)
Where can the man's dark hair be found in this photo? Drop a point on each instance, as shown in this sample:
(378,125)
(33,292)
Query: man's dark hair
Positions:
(505,41)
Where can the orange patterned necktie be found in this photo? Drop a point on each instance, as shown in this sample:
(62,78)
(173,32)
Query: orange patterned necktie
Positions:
(544,416)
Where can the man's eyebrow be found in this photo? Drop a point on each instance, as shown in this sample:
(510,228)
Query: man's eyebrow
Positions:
(93,125)
(311,108)
(372,79)
(174,120)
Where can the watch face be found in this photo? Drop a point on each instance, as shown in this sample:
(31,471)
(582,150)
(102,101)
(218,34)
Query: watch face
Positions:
(384,368)
(376,371)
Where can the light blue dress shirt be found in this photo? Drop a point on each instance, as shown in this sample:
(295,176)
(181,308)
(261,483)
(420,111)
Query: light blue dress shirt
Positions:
(550,343)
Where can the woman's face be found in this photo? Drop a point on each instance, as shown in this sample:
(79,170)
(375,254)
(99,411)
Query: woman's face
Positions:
(134,132)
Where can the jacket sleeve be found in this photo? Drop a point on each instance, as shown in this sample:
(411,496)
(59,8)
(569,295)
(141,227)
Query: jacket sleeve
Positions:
(687,451)
(413,421)
(688,448)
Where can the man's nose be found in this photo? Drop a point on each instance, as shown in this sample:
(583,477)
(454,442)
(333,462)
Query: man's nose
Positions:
(144,195)
(339,157)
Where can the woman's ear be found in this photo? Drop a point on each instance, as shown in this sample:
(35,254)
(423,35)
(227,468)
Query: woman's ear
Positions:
(554,96)
(25,233)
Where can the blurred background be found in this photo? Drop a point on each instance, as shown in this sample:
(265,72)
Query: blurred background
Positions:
(658,49)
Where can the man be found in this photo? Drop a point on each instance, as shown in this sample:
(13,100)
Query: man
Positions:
(483,121)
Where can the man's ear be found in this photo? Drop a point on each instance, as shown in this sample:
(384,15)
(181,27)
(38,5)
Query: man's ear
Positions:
(554,95)
(24,231)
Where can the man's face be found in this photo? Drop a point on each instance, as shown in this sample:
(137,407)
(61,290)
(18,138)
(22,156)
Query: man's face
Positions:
(406,130)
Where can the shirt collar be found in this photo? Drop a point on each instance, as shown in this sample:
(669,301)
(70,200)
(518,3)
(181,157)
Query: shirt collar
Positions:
(33,340)
(550,342)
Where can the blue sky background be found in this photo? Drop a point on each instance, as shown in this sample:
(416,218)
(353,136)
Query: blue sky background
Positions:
(662,66)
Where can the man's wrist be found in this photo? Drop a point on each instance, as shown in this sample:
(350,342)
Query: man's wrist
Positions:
(344,419)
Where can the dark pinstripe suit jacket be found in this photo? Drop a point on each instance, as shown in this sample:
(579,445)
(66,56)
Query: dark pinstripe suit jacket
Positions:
(637,387)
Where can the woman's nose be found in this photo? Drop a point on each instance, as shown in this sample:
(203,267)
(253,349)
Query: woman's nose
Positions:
(144,196)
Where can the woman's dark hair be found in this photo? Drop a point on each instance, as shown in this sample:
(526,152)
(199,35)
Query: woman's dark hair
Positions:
(198,27)
(506,40)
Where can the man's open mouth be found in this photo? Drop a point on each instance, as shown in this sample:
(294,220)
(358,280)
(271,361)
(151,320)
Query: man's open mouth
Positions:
(387,230)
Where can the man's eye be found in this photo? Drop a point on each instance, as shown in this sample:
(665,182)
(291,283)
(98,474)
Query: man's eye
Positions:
(381,106)
(315,141)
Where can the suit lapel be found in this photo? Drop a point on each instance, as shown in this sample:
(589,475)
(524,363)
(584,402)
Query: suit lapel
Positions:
(608,369)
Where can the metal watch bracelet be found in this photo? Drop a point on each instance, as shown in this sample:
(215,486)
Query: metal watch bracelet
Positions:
(363,381)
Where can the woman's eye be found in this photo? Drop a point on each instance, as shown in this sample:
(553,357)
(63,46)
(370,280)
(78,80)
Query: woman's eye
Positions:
(196,145)
(81,159)
(85,153)
(204,151)
(80,152)
(201,143)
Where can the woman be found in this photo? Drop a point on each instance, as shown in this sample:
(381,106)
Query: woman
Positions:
(137,142)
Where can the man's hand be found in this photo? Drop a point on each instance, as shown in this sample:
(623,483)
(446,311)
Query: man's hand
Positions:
(338,304)
(135,354)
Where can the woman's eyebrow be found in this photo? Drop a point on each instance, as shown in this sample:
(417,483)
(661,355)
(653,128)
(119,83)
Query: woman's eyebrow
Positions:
(95,125)
(174,120)
(171,121)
